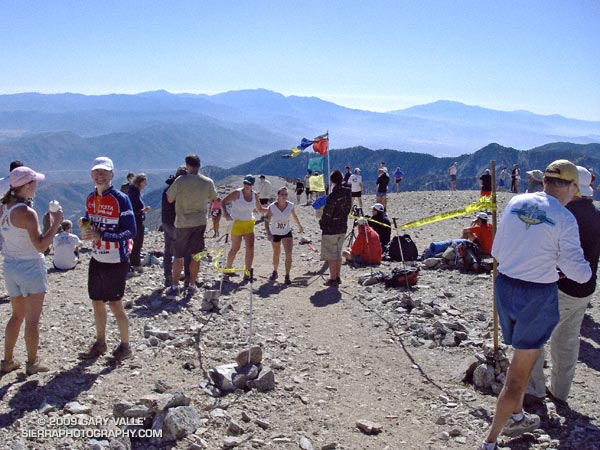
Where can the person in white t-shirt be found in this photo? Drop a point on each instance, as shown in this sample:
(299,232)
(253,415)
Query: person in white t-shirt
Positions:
(357,186)
(279,231)
(66,247)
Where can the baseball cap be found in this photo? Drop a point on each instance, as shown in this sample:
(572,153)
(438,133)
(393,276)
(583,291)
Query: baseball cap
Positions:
(103,162)
(378,207)
(585,179)
(483,216)
(249,179)
(357,170)
(537,175)
(20,176)
(564,170)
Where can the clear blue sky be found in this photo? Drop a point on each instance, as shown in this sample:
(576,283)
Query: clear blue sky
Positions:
(539,55)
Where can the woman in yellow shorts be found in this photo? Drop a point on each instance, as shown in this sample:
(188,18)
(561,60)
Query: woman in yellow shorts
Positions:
(243,202)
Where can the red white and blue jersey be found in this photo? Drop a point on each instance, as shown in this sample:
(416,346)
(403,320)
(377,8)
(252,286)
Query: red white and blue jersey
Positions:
(112,215)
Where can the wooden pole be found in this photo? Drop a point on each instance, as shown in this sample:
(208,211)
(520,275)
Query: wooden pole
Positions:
(494,263)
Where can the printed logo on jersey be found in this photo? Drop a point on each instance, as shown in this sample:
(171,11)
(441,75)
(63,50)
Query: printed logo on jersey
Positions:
(531,215)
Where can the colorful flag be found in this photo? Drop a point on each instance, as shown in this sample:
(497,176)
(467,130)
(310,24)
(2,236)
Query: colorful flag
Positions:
(295,152)
(321,143)
(315,164)
(304,144)
(317,183)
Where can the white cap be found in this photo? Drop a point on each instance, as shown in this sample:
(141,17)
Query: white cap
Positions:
(103,162)
(585,179)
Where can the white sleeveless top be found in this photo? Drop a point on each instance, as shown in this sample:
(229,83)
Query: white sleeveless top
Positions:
(280,220)
(241,209)
(17,244)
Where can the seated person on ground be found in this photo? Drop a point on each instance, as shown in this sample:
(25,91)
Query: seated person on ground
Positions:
(66,247)
(381,224)
(366,249)
(481,233)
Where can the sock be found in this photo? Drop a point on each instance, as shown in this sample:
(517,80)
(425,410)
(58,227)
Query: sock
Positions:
(489,446)
(518,416)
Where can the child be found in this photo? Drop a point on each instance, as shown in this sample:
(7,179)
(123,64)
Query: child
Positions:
(216,210)
(66,247)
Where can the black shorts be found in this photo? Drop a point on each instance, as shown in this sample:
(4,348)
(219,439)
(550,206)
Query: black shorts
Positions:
(279,237)
(357,194)
(299,191)
(106,281)
(263,201)
(215,212)
(188,241)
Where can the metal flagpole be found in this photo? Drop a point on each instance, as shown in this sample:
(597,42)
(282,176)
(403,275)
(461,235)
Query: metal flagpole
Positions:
(328,166)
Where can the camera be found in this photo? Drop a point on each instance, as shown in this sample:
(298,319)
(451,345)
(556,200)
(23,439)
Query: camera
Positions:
(356,211)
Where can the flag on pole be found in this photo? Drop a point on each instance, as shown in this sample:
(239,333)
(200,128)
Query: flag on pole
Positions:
(321,143)
(304,144)
(295,152)
(315,164)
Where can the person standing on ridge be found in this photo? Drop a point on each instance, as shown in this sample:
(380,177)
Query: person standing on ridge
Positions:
(25,271)
(191,194)
(357,187)
(536,234)
(243,202)
(573,299)
(383,180)
(485,182)
(279,231)
(110,226)
(452,170)
(334,224)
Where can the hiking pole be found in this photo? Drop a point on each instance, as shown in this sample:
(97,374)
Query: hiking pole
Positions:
(251,272)
(401,252)
(399,243)
(494,262)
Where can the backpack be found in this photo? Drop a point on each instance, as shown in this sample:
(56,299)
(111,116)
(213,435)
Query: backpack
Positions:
(402,277)
(409,249)
(471,256)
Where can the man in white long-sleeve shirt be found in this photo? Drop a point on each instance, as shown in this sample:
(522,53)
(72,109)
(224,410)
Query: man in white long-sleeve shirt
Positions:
(536,235)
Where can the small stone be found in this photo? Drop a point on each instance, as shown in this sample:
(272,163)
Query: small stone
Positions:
(234,429)
(255,356)
(368,427)
(305,444)
(265,381)
(77,408)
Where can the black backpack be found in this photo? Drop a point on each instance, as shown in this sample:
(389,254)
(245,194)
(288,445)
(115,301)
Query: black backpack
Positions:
(471,256)
(409,249)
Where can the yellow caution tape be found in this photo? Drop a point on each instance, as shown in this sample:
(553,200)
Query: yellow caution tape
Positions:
(481,204)
(215,262)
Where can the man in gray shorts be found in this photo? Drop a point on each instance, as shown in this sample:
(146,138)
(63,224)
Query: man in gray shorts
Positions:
(191,194)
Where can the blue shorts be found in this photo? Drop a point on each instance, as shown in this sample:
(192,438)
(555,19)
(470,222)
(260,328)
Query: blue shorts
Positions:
(528,311)
(25,276)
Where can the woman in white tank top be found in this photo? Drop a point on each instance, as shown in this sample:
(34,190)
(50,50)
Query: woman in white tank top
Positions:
(243,202)
(24,265)
(279,231)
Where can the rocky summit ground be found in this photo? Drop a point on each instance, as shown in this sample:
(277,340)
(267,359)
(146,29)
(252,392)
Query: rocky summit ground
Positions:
(356,368)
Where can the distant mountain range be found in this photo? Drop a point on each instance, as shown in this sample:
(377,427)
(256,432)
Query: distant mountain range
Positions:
(149,131)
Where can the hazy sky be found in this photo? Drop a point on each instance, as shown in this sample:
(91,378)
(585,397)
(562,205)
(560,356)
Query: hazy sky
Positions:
(542,55)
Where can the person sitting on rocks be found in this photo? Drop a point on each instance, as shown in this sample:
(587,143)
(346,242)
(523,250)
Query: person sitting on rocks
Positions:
(481,233)
(66,247)
(366,249)
(381,224)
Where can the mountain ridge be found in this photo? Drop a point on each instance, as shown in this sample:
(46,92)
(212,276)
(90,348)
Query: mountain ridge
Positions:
(274,121)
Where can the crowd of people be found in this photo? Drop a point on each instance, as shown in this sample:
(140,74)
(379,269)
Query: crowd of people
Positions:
(547,247)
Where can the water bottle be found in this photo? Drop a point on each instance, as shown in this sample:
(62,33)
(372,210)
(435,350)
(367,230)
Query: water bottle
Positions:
(53,206)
